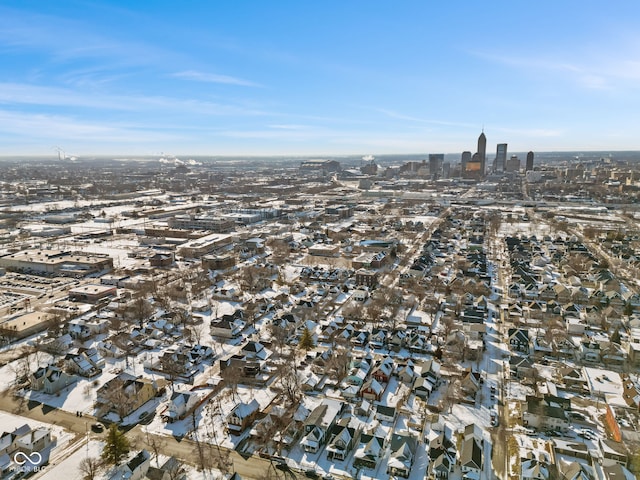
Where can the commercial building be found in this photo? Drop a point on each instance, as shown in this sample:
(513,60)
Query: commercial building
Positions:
(56,262)
(216,224)
(501,158)
(205,245)
(320,166)
(91,293)
(529,164)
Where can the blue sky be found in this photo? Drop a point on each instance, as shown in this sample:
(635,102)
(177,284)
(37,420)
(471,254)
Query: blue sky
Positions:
(317,77)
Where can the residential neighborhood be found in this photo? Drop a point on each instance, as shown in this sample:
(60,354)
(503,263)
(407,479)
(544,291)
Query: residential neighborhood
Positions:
(310,320)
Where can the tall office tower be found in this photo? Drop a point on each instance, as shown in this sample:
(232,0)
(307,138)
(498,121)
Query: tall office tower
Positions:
(446,170)
(435,165)
(466,158)
(482,153)
(501,157)
(529,164)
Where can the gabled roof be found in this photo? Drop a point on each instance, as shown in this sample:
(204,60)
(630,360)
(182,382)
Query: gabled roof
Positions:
(534,469)
(374,386)
(138,460)
(518,334)
(471,453)
(244,410)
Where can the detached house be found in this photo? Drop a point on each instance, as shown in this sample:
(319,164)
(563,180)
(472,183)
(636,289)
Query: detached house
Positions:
(242,416)
(471,450)
(532,469)
(342,439)
(372,390)
(519,339)
(50,379)
(422,387)
(9,440)
(180,405)
(403,452)
(546,413)
(136,468)
(130,391)
(382,373)
(442,453)
(319,423)
(369,451)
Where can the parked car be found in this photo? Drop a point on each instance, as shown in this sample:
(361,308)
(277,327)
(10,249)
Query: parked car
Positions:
(97,427)
(494,418)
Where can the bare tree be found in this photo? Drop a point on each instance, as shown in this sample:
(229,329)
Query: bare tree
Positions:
(279,250)
(176,469)
(90,467)
(447,325)
(141,310)
(118,397)
(338,365)
(279,336)
(452,394)
(289,378)
(232,376)
(56,322)
(172,368)
(21,368)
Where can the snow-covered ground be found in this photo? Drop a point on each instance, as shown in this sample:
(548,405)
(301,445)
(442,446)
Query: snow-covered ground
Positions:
(69,467)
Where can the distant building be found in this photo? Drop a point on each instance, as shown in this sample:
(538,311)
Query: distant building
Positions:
(162,259)
(91,293)
(446,170)
(205,245)
(529,165)
(320,166)
(482,153)
(369,168)
(368,278)
(64,263)
(464,160)
(219,262)
(339,211)
(414,167)
(501,158)
(513,164)
(473,168)
(215,224)
(436,160)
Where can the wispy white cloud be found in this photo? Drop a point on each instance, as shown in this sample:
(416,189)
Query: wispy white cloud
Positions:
(288,127)
(590,70)
(64,40)
(530,132)
(214,78)
(26,94)
(40,127)
(410,118)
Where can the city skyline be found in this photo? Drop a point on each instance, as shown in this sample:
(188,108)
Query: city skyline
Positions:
(292,79)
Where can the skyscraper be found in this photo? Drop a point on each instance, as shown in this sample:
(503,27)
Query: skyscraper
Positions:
(435,165)
(466,158)
(501,157)
(529,164)
(482,153)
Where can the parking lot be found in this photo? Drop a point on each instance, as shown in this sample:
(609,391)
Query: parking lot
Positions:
(20,291)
